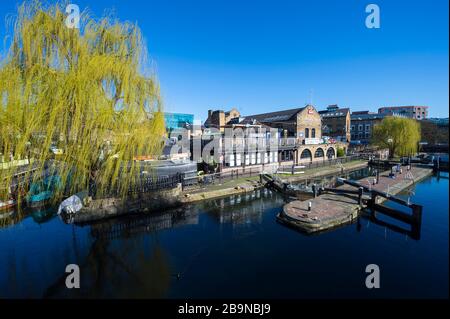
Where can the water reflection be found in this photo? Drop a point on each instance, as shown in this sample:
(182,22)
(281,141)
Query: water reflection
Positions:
(412,230)
(185,252)
(10,218)
(14,216)
(43,214)
(130,226)
(131,268)
(242,209)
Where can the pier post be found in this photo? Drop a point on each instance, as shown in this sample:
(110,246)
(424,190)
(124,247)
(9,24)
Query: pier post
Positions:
(360,194)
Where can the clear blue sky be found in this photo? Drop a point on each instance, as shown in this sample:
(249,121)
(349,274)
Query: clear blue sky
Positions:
(262,56)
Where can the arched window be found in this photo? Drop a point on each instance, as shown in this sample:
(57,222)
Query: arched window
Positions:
(306,154)
(318,153)
(306,132)
(331,153)
(313,133)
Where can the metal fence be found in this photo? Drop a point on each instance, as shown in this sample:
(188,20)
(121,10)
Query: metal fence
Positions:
(203,181)
(146,185)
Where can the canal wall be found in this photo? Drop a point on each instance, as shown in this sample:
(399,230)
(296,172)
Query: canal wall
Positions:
(98,209)
(324,172)
(241,188)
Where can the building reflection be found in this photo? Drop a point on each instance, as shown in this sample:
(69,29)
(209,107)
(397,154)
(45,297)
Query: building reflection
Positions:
(139,224)
(242,209)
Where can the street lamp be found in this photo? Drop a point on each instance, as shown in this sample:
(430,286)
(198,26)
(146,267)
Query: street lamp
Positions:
(390,146)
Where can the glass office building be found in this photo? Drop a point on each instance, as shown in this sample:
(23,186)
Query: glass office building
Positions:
(178,120)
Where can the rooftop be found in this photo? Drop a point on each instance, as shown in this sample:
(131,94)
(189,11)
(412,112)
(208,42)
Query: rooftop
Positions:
(278,116)
(334,113)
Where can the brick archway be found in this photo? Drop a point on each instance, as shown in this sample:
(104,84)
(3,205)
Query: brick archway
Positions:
(331,153)
(306,155)
(319,153)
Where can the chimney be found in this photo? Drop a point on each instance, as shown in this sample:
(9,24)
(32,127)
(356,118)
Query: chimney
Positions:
(332,107)
(209,113)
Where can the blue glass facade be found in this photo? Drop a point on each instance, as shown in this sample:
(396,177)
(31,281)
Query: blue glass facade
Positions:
(178,120)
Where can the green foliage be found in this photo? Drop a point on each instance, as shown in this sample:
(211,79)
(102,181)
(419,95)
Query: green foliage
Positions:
(400,135)
(340,152)
(85,90)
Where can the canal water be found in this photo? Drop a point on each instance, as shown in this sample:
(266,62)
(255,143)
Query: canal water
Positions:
(230,247)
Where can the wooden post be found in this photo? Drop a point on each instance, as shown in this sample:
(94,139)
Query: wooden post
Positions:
(360,194)
(373,199)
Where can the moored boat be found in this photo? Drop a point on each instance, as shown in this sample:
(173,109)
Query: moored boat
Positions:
(8,204)
(41,192)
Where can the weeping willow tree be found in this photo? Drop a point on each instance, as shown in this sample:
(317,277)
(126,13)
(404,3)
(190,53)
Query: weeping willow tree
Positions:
(85,91)
(400,135)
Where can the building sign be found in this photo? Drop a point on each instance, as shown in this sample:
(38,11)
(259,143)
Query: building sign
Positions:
(310,111)
(310,141)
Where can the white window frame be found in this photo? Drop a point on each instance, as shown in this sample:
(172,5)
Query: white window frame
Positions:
(231,160)
(238,159)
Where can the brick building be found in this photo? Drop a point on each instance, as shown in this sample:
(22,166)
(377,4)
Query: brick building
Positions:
(220,118)
(297,131)
(336,123)
(304,123)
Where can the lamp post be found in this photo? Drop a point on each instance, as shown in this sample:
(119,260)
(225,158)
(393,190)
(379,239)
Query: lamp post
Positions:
(389,141)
